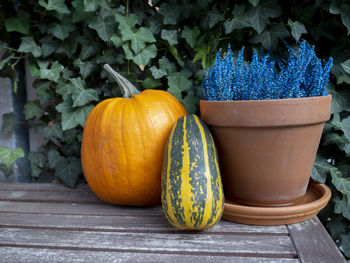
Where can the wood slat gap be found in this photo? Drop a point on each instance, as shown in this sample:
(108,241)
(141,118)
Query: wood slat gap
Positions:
(292,240)
(150,231)
(71,214)
(45,190)
(17,186)
(201,253)
(53,201)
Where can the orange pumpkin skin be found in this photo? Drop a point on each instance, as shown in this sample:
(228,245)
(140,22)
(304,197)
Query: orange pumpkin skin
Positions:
(123,144)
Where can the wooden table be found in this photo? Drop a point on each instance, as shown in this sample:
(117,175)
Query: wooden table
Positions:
(51,223)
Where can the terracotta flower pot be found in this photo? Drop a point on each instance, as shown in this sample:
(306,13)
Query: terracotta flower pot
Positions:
(266,147)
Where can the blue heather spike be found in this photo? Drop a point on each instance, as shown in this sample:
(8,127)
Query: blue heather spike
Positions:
(301,74)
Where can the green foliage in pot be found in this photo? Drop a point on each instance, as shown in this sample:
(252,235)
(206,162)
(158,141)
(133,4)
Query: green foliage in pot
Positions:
(167,45)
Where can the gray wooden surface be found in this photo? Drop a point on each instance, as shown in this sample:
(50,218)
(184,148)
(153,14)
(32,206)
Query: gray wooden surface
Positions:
(51,223)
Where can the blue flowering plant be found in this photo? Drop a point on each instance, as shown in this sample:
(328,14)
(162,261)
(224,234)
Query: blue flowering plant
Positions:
(300,74)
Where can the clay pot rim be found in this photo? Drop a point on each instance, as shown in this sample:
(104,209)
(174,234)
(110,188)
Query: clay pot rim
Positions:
(269,101)
(267,113)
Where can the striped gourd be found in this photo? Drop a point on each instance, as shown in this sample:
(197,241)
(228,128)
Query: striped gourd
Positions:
(192,193)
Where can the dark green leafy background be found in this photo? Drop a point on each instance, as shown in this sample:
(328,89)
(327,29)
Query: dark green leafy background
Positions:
(165,45)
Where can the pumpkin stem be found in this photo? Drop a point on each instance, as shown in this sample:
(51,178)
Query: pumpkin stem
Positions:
(127,88)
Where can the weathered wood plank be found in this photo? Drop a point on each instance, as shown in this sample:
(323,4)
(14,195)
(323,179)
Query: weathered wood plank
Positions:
(183,243)
(50,196)
(76,209)
(41,255)
(313,243)
(42,187)
(154,223)
(106,210)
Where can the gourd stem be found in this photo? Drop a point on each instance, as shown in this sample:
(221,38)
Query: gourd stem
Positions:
(127,88)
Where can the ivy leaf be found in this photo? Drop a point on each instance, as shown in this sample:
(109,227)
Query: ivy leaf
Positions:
(346,66)
(33,109)
(191,103)
(173,50)
(254,2)
(63,89)
(91,5)
(154,24)
(178,83)
(214,17)
(85,67)
(340,141)
(104,28)
(336,122)
(342,206)
(42,90)
(80,95)
(116,40)
(269,38)
(8,123)
(61,31)
(52,73)
(176,93)
(8,156)
(170,13)
(334,8)
(127,51)
(5,61)
(297,29)
(7,171)
(87,50)
(340,100)
(158,73)
(170,35)
(48,46)
(202,54)
(139,38)
(72,117)
(166,65)
(53,131)
(126,21)
(320,169)
(53,157)
(19,24)
(28,45)
(345,242)
(68,47)
(239,20)
(342,184)
(79,14)
(336,226)
(260,14)
(55,5)
(191,35)
(143,57)
(37,158)
(345,16)
(68,171)
(346,127)
(150,83)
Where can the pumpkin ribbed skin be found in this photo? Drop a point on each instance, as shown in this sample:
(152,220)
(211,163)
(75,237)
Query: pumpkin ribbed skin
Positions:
(123,144)
(192,192)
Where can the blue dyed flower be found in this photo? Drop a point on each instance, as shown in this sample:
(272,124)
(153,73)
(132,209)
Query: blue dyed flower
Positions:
(302,74)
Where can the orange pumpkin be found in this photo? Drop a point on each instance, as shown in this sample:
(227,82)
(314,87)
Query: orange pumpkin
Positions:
(123,144)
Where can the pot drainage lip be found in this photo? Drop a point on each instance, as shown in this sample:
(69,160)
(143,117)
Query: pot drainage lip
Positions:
(316,198)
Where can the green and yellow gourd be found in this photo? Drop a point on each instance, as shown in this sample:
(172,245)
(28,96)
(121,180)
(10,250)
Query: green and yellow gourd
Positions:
(192,192)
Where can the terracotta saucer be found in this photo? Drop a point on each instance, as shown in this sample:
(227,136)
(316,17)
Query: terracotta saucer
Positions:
(316,198)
